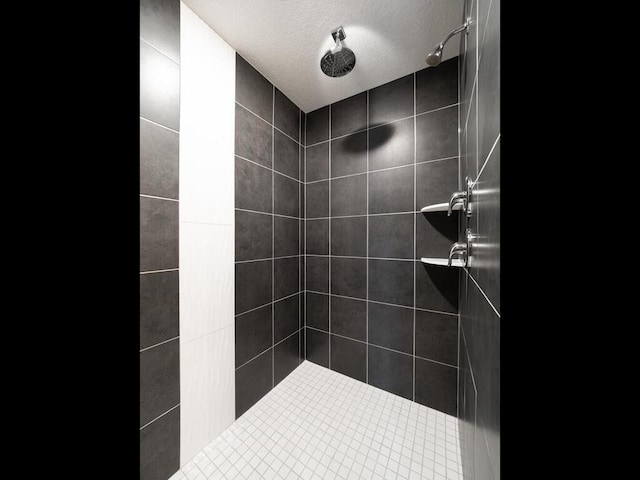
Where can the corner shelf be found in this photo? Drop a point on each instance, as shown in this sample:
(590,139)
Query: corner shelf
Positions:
(439,207)
(456,262)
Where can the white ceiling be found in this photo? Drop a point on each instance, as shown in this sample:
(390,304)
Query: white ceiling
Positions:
(285,39)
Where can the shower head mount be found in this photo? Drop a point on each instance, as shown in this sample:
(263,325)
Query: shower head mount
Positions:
(340,60)
(435,56)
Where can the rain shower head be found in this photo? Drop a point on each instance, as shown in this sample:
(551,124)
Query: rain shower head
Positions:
(435,57)
(340,60)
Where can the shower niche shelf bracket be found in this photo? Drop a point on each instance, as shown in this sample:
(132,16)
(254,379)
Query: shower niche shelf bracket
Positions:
(456,262)
(440,207)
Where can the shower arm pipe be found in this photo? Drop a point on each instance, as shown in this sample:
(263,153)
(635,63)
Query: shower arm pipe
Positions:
(462,27)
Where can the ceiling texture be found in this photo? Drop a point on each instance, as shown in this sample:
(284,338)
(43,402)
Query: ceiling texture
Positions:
(285,39)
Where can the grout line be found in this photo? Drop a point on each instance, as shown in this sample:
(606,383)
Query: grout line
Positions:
(415,226)
(366,350)
(147,424)
(267,213)
(365,258)
(272,348)
(437,109)
(329,279)
(266,304)
(159,198)
(161,343)
(265,167)
(263,259)
(483,294)
(487,159)
(460,180)
(273,234)
(159,125)
(269,123)
(364,215)
(159,51)
(159,271)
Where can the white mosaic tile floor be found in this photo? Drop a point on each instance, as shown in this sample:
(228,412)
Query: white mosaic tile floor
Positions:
(318,424)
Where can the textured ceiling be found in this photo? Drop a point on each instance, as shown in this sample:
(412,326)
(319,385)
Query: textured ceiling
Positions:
(285,39)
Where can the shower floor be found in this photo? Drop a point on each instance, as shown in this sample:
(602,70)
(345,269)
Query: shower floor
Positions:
(320,424)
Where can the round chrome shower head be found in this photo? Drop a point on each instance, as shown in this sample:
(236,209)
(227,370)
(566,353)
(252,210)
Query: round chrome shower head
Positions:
(435,57)
(340,60)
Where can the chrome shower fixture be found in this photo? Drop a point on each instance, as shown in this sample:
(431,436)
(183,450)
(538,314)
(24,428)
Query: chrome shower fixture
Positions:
(340,60)
(435,57)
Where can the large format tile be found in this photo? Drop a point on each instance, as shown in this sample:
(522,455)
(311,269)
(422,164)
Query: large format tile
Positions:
(160,26)
(158,234)
(317,347)
(318,311)
(317,274)
(317,237)
(349,236)
(436,288)
(253,381)
(253,137)
(286,193)
(349,277)
(159,307)
(391,236)
(436,386)
(158,160)
(349,317)
(159,380)
(286,317)
(159,88)
(437,87)
(348,196)
(391,327)
(391,145)
(317,167)
(286,236)
(285,358)
(287,115)
(253,186)
(349,155)
(391,190)
(391,371)
(349,358)
(391,281)
(391,101)
(437,337)
(435,234)
(286,277)
(435,182)
(437,134)
(253,285)
(317,126)
(160,447)
(349,115)
(254,236)
(253,90)
(489,83)
(207,390)
(286,155)
(317,199)
(254,334)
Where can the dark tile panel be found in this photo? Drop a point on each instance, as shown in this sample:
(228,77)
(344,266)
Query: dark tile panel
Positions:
(436,386)
(160,447)
(349,155)
(286,196)
(253,236)
(467,416)
(159,101)
(435,233)
(253,137)
(391,236)
(286,236)
(349,317)
(158,160)
(317,346)
(317,200)
(253,186)
(285,358)
(159,307)
(253,334)
(318,237)
(349,236)
(160,26)
(436,288)
(470,137)
(391,281)
(287,115)
(318,311)
(437,134)
(286,317)
(303,129)
(391,190)
(317,278)
(349,358)
(437,337)
(468,73)
(349,115)
(349,196)
(158,234)
(317,162)
(435,182)
(253,90)
(286,280)
(391,101)
(317,125)
(253,381)
(286,157)
(302,174)
(391,145)
(253,285)
(349,277)
(391,327)
(159,380)
(391,371)
(437,87)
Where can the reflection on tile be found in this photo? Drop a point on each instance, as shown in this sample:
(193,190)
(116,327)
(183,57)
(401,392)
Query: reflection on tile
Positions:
(159,88)
(160,26)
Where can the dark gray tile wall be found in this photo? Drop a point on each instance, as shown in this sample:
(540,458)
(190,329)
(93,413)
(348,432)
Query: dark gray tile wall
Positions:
(479,353)
(269,203)
(159,197)
(373,312)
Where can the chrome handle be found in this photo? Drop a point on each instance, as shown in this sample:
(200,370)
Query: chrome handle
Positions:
(457,249)
(456,197)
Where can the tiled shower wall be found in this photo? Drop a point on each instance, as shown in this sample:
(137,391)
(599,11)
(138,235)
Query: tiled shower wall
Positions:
(159,294)
(374,312)
(268,250)
(479,380)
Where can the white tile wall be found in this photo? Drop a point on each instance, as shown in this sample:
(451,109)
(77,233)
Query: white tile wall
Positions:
(319,424)
(207,347)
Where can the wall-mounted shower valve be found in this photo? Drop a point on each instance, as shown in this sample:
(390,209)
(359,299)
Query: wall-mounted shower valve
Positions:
(456,199)
(458,249)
